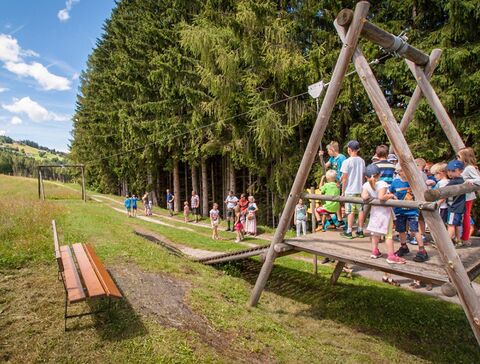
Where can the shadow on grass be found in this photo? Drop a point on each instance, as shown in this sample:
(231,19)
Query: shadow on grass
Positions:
(423,326)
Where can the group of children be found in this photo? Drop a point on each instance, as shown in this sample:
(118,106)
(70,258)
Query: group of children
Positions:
(384,179)
(131,205)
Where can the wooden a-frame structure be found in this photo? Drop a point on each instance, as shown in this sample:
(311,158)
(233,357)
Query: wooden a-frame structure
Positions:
(41,187)
(350,26)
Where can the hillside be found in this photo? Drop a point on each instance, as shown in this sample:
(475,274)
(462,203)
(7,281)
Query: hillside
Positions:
(30,149)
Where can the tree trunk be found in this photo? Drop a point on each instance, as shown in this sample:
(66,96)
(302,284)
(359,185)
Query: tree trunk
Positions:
(193,171)
(176,186)
(212,165)
(232,174)
(186,182)
(204,188)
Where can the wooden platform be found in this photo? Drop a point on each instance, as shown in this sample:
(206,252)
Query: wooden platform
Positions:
(357,251)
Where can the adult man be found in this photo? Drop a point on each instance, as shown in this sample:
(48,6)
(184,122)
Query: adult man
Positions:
(194,204)
(170,198)
(231,201)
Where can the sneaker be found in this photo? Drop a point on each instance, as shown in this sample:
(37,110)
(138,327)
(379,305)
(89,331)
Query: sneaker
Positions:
(396,260)
(375,254)
(457,243)
(325,260)
(412,241)
(421,256)
(360,234)
(319,227)
(347,235)
(403,250)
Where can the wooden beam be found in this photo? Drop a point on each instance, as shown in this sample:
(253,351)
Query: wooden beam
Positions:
(417,94)
(437,107)
(384,39)
(453,265)
(336,272)
(422,205)
(450,191)
(361,11)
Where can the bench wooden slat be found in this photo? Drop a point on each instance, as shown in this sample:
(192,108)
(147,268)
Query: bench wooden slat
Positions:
(92,284)
(71,278)
(105,279)
(58,256)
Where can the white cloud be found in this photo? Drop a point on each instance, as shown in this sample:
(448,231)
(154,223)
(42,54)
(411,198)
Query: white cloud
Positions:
(3,89)
(34,110)
(47,80)
(3,132)
(64,15)
(9,49)
(75,76)
(15,120)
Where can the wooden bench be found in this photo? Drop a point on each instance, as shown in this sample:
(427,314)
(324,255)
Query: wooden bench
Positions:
(83,275)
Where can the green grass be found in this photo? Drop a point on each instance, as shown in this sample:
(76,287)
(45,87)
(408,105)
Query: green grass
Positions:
(300,318)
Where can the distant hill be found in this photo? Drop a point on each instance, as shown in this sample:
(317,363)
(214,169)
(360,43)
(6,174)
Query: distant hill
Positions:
(30,149)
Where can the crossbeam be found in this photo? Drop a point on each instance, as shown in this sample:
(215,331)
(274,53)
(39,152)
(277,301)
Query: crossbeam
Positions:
(450,191)
(421,205)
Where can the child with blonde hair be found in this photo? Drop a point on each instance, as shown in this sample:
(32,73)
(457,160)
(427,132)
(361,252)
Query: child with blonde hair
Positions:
(329,209)
(471,175)
(238,224)
(186,211)
(215,220)
(381,217)
(439,171)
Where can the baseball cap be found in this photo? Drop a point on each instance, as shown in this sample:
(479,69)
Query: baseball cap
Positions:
(392,158)
(371,170)
(353,145)
(455,164)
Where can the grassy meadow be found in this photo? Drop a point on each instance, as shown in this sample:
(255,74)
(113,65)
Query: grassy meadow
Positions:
(179,311)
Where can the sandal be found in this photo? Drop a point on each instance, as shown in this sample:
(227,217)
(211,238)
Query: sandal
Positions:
(467,243)
(390,281)
(417,285)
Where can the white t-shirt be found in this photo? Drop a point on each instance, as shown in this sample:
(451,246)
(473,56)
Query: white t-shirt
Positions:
(380,216)
(355,168)
(231,201)
(470,173)
(440,184)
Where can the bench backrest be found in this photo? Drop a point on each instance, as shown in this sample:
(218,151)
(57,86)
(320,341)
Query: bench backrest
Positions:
(58,256)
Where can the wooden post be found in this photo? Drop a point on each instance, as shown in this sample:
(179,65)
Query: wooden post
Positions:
(437,107)
(42,187)
(38,178)
(336,272)
(417,94)
(315,264)
(312,207)
(84,190)
(453,265)
(361,11)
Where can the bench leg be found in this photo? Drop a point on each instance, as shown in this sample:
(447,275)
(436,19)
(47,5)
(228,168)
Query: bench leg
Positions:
(336,272)
(65,315)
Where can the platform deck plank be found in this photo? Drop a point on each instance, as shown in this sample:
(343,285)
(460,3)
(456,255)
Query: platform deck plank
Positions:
(357,251)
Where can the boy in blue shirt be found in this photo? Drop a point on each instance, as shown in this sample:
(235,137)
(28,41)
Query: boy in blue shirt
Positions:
(456,204)
(401,188)
(170,198)
(128,204)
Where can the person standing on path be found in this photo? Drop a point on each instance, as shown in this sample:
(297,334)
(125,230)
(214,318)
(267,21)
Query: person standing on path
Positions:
(128,204)
(231,201)
(195,204)
(251,223)
(145,203)
(134,205)
(170,199)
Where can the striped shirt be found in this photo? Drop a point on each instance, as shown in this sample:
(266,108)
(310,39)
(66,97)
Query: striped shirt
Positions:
(195,201)
(387,170)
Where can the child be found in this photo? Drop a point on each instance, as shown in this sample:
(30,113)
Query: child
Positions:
(439,170)
(128,204)
(251,217)
(170,198)
(387,168)
(470,175)
(195,205)
(186,211)
(150,207)
(329,208)
(401,188)
(134,205)
(456,204)
(145,203)
(352,181)
(336,159)
(381,217)
(238,224)
(300,219)
(214,220)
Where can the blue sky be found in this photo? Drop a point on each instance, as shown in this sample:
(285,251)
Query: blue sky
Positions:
(44,46)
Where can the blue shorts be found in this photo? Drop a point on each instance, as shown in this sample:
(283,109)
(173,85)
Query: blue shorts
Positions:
(401,223)
(444,215)
(455,219)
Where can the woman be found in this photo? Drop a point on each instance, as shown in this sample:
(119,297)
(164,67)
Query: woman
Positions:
(251,223)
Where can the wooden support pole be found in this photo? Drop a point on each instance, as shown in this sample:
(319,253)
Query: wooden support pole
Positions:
(84,190)
(417,94)
(450,191)
(42,187)
(437,107)
(312,208)
(336,272)
(361,11)
(315,264)
(422,205)
(38,179)
(453,265)
(384,39)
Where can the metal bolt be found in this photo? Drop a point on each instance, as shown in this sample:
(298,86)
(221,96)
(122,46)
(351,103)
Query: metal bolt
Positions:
(450,264)
(477,321)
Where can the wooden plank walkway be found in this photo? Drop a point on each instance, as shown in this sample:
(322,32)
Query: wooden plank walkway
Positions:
(357,251)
